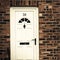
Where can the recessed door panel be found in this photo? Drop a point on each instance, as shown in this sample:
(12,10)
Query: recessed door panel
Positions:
(24,39)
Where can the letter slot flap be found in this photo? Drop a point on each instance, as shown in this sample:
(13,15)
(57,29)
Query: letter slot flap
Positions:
(24,43)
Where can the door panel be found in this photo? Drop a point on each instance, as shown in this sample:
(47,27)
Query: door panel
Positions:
(24,40)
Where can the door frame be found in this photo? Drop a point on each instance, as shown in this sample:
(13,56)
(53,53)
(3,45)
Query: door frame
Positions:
(12,10)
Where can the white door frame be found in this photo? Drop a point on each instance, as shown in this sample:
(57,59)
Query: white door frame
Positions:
(13,27)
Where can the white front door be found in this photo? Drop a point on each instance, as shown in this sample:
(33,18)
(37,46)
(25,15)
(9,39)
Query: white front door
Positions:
(24,41)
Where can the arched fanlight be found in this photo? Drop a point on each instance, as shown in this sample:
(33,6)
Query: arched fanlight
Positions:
(24,20)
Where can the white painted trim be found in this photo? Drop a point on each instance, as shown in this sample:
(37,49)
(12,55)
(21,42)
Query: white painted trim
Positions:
(12,30)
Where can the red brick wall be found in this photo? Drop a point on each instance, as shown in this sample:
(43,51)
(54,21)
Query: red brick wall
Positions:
(49,27)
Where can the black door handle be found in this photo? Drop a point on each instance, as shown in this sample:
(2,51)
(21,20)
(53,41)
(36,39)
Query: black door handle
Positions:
(34,41)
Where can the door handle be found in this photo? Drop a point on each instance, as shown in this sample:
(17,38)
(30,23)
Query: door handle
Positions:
(34,41)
